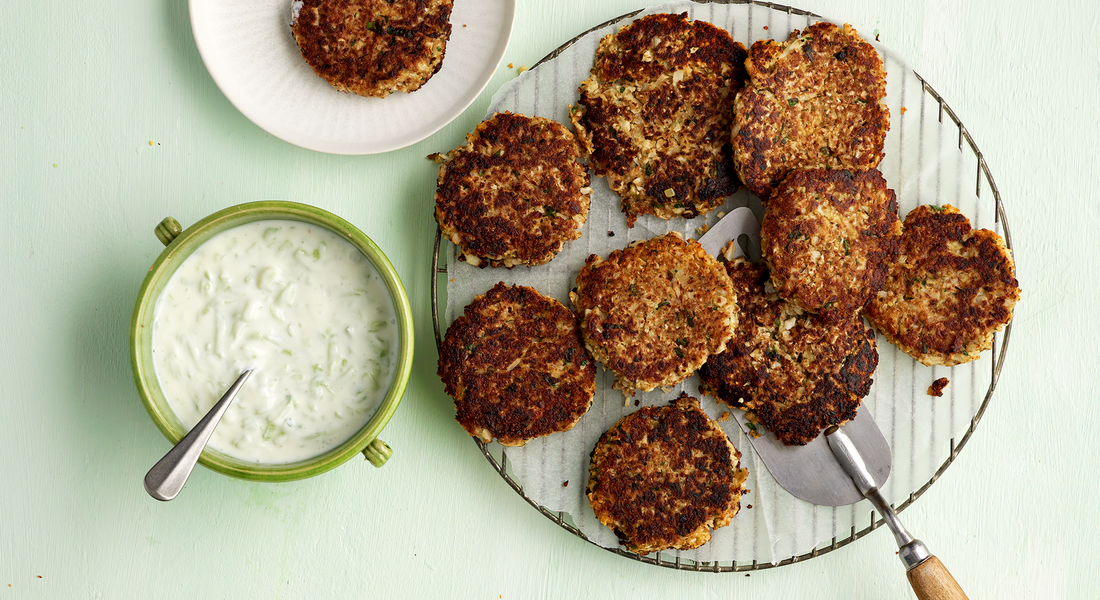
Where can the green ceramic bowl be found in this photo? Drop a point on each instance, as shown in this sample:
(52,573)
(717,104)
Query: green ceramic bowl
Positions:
(180,244)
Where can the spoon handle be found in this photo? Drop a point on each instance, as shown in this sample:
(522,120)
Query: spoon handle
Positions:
(167,477)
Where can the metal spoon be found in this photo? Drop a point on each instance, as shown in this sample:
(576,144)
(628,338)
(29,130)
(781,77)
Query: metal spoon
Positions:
(165,480)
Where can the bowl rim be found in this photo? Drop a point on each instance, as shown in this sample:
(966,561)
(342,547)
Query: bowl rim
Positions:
(189,240)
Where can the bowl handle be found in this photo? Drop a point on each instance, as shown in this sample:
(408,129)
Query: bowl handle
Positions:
(377,452)
(168,229)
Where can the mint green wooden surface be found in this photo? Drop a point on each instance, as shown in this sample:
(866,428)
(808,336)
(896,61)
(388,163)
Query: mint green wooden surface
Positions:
(85,88)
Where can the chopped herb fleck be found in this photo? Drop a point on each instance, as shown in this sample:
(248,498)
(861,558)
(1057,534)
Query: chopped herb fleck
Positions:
(792,101)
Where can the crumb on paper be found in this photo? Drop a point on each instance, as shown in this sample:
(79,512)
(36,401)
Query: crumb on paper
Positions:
(903,109)
(637,402)
(936,389)
(753,431)
(565,484)
(725,416)
(721,214)
(748,506)
(510,66)
(701,230)
(610,234)
(463,24)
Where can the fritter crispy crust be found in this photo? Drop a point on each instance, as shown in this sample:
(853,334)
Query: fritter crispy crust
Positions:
(374,47)
(936,389)
(829,237)
(654,311)
(950,289)
(515,366)
(514,194)
(656,112)
(664,477)
(793,373)
(815,100)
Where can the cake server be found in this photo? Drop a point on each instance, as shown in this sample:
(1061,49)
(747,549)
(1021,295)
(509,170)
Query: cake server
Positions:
(843,466)
(809,472)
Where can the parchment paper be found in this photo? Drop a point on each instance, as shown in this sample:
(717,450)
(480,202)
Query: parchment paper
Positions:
(927,162)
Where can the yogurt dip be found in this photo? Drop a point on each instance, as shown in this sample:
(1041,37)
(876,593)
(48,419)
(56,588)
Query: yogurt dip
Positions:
(303,307)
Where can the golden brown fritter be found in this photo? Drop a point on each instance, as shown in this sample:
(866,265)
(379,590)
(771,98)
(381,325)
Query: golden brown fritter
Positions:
(950,289)
(813,101)
(664,477)
(374,47)
(656,113)
(515,366)
(654,311)
(828,238)
(793,372)
(514,194)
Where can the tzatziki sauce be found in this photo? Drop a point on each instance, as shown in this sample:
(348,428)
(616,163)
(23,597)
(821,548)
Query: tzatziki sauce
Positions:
(303,307)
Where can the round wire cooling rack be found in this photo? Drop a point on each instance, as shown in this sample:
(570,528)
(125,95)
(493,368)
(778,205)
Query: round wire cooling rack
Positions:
(983,184)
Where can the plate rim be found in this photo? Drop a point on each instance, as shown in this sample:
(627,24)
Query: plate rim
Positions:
(223,77)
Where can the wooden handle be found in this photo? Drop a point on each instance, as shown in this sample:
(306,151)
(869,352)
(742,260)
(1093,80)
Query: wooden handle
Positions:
(932,581)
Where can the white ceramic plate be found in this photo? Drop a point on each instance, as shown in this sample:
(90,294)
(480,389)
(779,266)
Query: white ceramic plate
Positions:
(251,54)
